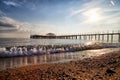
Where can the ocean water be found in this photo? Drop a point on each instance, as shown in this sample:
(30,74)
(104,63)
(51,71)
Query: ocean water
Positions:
(6,42)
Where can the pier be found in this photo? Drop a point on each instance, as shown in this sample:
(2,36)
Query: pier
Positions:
(101,36)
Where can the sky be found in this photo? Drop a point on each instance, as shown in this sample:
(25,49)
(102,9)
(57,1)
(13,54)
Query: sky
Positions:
(21,18)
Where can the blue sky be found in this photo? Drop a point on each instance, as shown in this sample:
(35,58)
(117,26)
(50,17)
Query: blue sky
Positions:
(25,17)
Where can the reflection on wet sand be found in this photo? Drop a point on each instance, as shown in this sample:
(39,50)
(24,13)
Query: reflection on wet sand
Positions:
(39,59)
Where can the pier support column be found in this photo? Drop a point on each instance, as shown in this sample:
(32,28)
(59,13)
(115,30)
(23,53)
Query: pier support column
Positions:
(79,37)
(119,38)
(102,37)
(84,37)
(72,37)
(111,38)
(75,37)
(68,37)
(89,37)
(95,37)
(98,37)
(65,37)
(107,37)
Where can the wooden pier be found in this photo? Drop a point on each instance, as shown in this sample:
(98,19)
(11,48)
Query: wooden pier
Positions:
(103,36)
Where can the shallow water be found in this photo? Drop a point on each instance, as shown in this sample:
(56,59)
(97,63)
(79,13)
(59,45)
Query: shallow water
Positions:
(51,58)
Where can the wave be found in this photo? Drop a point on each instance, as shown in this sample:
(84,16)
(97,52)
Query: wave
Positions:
(47,49)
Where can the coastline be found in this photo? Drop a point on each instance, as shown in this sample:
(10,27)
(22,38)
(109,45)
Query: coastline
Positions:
(103,67)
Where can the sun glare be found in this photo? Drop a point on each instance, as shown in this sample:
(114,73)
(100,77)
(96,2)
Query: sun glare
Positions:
(93,15)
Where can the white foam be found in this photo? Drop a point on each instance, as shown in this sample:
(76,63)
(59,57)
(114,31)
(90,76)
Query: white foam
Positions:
(30,50)
(2,49)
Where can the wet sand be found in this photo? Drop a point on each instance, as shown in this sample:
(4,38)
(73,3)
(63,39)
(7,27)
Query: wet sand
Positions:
(104,67)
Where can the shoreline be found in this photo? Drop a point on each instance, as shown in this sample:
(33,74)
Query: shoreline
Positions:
(103,67)
(19,51)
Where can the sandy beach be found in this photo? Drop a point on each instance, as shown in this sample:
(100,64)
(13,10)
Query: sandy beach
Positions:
(104,67)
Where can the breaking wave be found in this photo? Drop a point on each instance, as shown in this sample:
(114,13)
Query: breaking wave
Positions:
(40,49)
(46,49)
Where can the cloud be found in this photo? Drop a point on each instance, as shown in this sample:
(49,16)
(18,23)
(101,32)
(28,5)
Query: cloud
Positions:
(2,13)
(85,7)
(93,3)
(95,15)
(43,28)
(25,26)
(11,28)
(8,24)
(107,15)
(11,3)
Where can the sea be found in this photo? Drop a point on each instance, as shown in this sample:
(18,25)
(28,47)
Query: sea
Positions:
(14,62)
(6,42)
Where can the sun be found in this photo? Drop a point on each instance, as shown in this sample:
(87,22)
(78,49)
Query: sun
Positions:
(93,15)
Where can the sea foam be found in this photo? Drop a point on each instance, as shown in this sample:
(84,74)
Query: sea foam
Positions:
(45,49)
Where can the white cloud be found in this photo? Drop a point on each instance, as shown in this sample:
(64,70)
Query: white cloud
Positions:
(12,28)
(2,13)
(87,6)
(75,12)
(11,3)
(93,16)
(101,15)
(7,23)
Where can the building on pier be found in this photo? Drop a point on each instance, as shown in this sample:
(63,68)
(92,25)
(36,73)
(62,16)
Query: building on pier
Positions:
(47,36)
